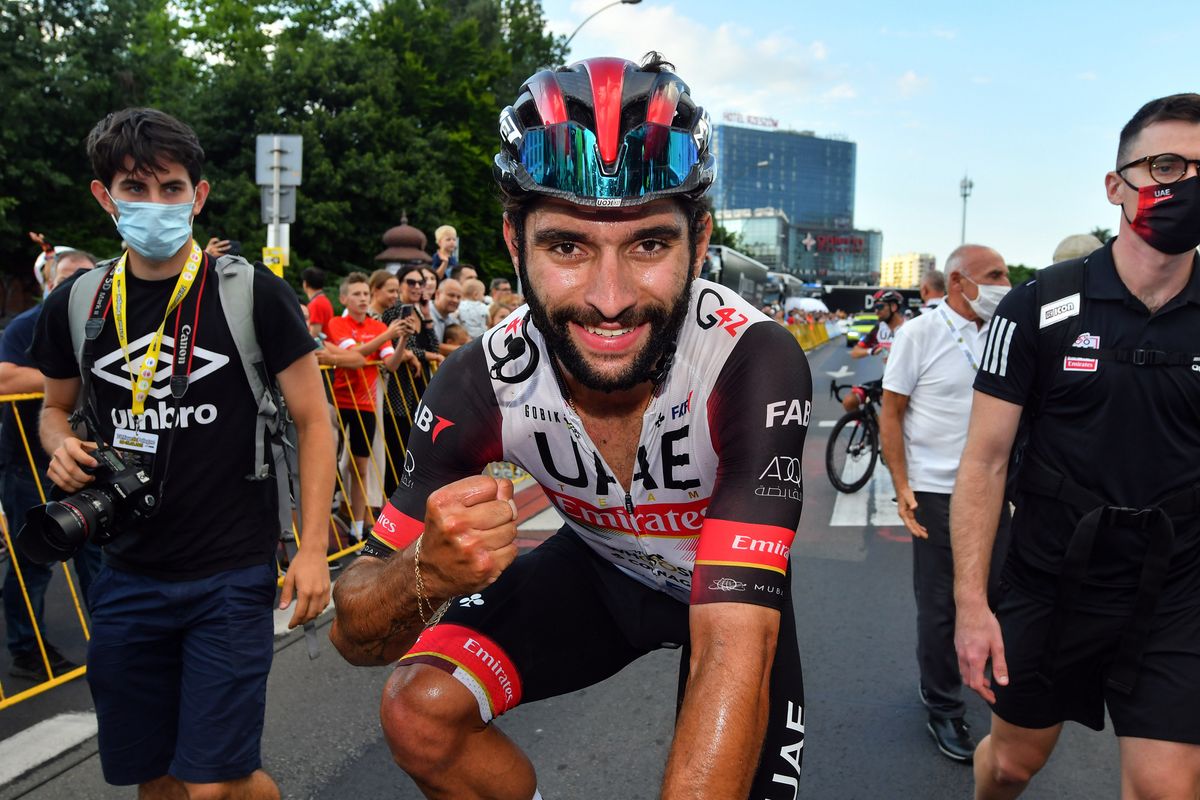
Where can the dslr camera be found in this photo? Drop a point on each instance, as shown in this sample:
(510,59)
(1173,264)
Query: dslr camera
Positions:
(120,493)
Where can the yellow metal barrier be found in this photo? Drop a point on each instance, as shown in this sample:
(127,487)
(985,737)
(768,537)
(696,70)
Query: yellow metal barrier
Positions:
(809,334)
(8,523)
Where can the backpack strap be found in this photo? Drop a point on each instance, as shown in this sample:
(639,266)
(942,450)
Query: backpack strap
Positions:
(84,332)
(273,424)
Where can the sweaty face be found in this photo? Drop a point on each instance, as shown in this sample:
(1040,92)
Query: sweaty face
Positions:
(608,289)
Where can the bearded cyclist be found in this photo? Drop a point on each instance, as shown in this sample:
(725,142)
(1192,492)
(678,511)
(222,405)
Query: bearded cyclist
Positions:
(663,416)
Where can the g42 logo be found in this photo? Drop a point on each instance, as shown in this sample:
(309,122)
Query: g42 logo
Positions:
(723,316)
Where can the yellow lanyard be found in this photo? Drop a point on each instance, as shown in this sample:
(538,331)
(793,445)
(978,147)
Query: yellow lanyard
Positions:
(143,379)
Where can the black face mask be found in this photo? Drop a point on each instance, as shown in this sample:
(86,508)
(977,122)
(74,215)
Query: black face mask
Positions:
(1168,216)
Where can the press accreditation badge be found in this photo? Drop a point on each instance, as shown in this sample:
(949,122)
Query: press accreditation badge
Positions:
(144,445)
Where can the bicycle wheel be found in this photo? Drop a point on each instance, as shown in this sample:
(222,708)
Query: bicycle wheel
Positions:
(851,452)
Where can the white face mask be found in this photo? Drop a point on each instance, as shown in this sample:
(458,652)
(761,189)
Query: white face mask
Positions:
(989,297)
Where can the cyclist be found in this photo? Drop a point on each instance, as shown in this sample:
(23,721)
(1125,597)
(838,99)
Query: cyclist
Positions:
(663,415)
(889,305)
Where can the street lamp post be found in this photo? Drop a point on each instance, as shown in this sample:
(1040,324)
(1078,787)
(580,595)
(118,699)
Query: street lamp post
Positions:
(965,188)
(597,11)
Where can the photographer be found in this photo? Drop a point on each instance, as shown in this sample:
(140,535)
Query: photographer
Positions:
(182,634)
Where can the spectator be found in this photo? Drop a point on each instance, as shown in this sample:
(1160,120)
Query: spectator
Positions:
(923,423)
(181,636)
(444,308)
(472,311)
(498,288)
(385,291)
(444,257)
(456,336)
(933,289)
(354,389)
(320,310)
(19,488)
(501,308)
(462,273)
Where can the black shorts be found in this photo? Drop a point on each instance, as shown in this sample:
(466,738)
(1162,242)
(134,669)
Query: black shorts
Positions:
(1164,703)
(360,430)
(561,618)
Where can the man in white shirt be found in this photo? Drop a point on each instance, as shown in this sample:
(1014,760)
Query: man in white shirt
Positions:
(933,289)
(927,385)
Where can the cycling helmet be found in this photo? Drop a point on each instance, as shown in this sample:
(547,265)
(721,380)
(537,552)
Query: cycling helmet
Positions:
(889,296)
(605,132)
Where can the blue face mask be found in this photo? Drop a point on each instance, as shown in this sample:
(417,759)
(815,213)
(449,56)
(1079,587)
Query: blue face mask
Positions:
(156,231)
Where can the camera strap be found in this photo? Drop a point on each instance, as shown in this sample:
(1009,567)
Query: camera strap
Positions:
(181,364)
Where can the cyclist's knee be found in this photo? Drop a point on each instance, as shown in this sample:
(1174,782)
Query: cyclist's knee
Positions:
(852,400)
(425,714)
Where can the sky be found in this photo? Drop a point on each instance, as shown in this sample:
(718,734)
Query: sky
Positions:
(1026,98)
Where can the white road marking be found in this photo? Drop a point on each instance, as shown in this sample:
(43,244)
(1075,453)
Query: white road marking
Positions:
(870,505)
(44,742)
(842,372)
(827,423)
(547,520)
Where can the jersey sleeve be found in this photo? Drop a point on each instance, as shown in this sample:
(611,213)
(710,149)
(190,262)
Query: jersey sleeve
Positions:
(1009,364)
(902,369)
(758,417)
(456,432)
(52,350)
(279,323)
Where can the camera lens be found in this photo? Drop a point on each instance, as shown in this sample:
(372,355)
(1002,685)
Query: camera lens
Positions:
(54,532)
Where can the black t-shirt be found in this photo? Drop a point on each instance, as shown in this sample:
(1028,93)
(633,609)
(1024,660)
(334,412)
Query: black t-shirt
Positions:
(211,517)
(1129,434)
(14,349)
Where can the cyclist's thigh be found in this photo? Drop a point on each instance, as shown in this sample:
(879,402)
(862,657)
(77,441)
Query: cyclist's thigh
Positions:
(544,628)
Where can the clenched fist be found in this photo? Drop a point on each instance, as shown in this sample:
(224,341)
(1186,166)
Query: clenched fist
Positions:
(470,533)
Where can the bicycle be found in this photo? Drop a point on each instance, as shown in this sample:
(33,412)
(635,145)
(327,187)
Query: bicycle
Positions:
(854,445)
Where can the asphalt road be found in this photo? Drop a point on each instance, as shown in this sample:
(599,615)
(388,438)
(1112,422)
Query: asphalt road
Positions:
(865,726)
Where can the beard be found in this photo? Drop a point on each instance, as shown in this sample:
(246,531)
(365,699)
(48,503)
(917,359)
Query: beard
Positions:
(665,323)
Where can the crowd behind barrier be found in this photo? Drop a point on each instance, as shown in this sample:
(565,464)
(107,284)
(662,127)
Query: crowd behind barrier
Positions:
(392,412)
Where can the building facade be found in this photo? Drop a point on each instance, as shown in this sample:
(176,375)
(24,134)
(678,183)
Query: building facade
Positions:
(807,177)
(814,254)
(906,270)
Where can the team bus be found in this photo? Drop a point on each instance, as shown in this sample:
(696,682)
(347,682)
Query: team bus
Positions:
(739,272)
(781,287)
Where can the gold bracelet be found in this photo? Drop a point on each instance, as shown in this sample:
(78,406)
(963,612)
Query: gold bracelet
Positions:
(422,603)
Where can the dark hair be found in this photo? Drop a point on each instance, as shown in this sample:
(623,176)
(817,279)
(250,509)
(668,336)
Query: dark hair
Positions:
(148,138)
(1181,107)
(455,272)
(497,281)
(314,277)
(405,269)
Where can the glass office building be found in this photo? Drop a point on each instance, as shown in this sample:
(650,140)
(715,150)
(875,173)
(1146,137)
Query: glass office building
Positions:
(813,254)
(807,177)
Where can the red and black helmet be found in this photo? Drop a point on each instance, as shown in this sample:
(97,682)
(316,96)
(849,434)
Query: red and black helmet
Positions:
(889,296)
(605,132)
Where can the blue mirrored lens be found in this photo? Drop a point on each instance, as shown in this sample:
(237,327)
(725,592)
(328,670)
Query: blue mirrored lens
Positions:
(566,158)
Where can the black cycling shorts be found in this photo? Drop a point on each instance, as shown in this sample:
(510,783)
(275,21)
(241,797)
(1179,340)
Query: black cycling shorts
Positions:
(1164,704)
(561,618)
(360,430)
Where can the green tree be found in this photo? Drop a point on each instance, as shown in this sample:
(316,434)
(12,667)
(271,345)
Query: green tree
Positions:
(1019,273)
(1103,234)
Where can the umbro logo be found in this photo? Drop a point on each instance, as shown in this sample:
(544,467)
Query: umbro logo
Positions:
(113,369)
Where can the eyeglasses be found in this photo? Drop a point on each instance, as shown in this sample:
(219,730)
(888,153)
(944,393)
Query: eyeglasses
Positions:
(413,283)
(1165,167)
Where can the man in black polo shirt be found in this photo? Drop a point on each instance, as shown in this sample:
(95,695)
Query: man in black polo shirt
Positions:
(1102,599)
